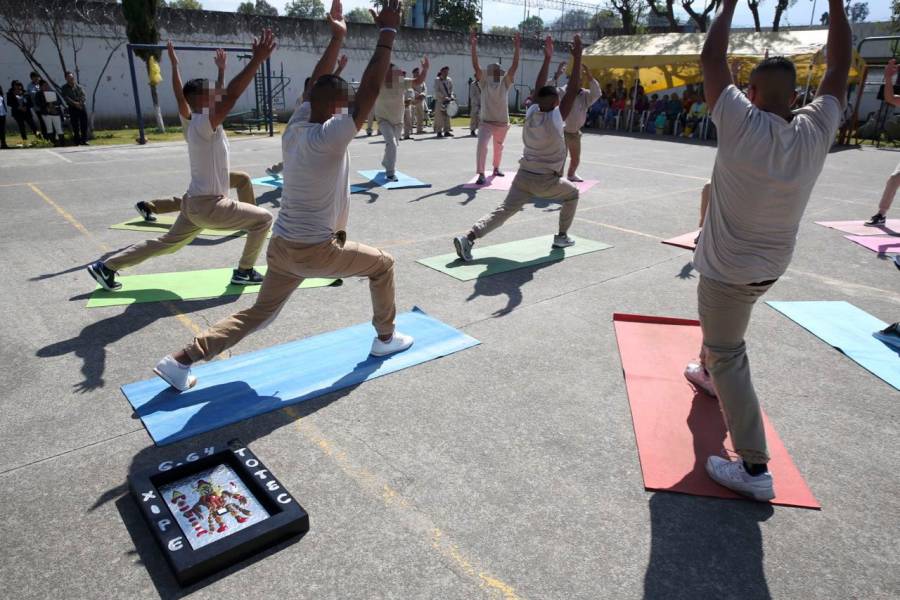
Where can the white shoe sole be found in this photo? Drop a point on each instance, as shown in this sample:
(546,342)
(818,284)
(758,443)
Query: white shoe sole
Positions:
(563,245)
(459,251)
(100,281)
(768,495)
(380,354)
(192,380)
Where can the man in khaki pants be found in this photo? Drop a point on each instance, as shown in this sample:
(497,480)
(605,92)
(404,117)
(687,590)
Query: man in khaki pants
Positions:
(575,120)
(205,204)
(419,110)
(309,238)
(767,162)
(237,180)
(540,169)
(443,94)
(390,110)
(494,114)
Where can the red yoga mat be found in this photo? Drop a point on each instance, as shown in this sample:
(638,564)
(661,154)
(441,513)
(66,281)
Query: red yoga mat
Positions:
(685,240)
(677,428)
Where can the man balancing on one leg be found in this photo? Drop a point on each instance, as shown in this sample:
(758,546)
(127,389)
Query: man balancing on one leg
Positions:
(893,182)
(389,109)
(540,169)
(238,180)
(309,238)
(768,160)
(205,205)
(494,113)
(577,117)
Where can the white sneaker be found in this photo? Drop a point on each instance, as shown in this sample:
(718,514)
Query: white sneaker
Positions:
(463,246)
(575,179)
(562,241)
(175,374)
(731,474)
(397,343)
(699,377)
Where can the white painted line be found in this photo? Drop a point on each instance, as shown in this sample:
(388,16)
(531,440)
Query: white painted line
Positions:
(57,155)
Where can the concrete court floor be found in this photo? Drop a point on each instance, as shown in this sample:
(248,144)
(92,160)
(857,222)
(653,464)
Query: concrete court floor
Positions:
(504,471)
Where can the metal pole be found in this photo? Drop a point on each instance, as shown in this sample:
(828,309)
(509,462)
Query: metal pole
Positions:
(813,14)
(269,96)
(137,101)
(637,80)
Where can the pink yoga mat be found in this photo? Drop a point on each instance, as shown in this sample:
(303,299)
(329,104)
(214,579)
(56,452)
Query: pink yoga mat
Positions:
(677,428)
(504,183)
(892,227)
(685,240)
(882,244)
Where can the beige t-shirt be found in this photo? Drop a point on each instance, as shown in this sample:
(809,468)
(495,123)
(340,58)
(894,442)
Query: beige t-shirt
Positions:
(494,99)
(208,155)
(545,146)
(764,173)
(443,89)
(583,101)
(315,202)
(420,89)
(389,104)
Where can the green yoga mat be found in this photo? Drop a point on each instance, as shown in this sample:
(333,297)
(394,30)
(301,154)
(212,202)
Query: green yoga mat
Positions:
(501,258)
(164,222)
(189,285)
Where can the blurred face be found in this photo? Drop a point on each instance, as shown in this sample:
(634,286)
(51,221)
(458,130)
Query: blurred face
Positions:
(548,103)
(444,72)
(495,72)
(768,89)
(34,79)
(70,79)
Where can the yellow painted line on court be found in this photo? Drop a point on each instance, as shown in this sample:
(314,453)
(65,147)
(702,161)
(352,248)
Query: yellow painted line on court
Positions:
(413,517)
(182,318)
(630,168)
(622,229)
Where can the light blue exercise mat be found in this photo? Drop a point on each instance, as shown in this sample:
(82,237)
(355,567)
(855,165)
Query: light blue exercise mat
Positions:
(849,329)
(378,179)
(247,385)
(275,182)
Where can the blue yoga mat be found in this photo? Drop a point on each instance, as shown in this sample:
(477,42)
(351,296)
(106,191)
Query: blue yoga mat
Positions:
(377,179)
(229,391)
(275,182)
(849,329)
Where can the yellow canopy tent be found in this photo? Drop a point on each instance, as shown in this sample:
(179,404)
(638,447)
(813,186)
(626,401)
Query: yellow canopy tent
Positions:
(666,60)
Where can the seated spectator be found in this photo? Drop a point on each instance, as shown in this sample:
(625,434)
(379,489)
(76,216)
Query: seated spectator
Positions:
(655,106)
(49,108)
(673,111)
(616,109)
(696,115)
(620,89)
(17,102)
(3,112)
(641,104)
(687,101)
(595,112)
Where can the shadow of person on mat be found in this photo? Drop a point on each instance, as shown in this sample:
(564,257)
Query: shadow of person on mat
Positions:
(146,554)
(76,268)
(687,271)
(90,344)
(705,547)
(270,197)
(452,192)
(509,282)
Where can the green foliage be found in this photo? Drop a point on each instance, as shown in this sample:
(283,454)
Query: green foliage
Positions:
(458,15)
(858,12)
(140,25)
(186,4)
(502,30)
(305,9)
(359,15)
(533,26)
(895,14)
(606,19)
(573,20)
(261,7)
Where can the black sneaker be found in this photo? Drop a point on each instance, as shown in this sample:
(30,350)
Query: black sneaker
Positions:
(449,134)
(440,135)
(144,210)
(499,173)
(103,276)
(248,277)
(390,177)
(481,180)
(876,220)
(890,335)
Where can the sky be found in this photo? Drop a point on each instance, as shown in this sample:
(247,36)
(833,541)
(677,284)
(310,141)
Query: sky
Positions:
(496,13)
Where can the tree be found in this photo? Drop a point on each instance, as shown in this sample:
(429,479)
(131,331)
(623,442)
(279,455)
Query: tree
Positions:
(503,30)
(140,27)
(359,15)
(895,14)
(630,11)
(261,8)
(458,15)
(533,26)
(754,10)
(308,9)
(858,12)
(825,19)
(780,7)
(185,4)
(667,11)
(574,20)
(606,19)
(701,18)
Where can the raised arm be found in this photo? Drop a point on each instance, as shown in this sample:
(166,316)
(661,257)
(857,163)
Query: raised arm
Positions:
(423,71)
(839,54)
(387,21)
(473,45)
(517,48)
(342,62)
(541,80)
(220,61)
(573,87)
(593,85)
(559,71)
(890,73)
(184,109)
(262,49)
(325,66)
(714,58)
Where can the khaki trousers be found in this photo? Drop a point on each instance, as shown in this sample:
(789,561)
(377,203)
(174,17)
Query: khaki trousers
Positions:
(573,145)
(441,120)
(419,109)
(890,189)
(237,180)
(487,132)
(724,316)
(407,121)
(391,134)
(475,118)
(289,263)
(527,187)
(198,213)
